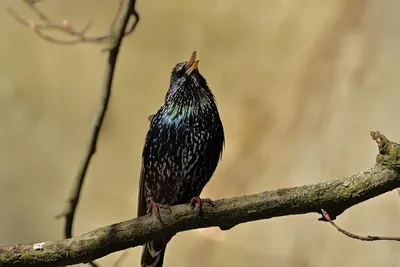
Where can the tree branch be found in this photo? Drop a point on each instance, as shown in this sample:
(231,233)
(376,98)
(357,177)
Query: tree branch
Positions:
(359,237)
(337,196)
(66,28)
(119,29)
(117,33)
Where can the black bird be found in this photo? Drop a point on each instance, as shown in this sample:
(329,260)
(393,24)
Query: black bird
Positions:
(182,150)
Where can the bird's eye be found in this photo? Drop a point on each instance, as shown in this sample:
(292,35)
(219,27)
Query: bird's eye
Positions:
(181,71)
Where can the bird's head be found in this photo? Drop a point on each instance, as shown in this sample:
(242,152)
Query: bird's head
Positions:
(187,84)
(179,70)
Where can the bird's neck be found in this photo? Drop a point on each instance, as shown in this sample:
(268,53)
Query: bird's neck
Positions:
(190,98)
(179,108)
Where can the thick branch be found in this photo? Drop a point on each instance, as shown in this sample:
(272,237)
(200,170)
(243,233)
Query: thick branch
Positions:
(337,195)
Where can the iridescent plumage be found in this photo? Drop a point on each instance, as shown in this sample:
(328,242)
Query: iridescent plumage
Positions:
(182,149)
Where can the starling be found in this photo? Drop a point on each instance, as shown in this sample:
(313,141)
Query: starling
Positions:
(182,150)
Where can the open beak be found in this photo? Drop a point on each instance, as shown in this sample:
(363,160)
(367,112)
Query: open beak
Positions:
(192,68)
(192,64)
(192,59)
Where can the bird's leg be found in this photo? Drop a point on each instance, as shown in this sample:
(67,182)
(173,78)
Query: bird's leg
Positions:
(197,203)
(154,208)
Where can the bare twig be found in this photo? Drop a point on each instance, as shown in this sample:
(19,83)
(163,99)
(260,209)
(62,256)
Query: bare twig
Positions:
(354,236)
(40,29)
(342,193)
(41,15)
(119,29)
(118,33)
(78,36)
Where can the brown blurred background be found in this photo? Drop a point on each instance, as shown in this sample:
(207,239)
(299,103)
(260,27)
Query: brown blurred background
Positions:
(299,84)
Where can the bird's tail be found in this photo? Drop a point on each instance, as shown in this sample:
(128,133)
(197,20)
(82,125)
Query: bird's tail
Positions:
(153,253)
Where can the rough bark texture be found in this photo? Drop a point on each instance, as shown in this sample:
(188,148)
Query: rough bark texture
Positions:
(333,196)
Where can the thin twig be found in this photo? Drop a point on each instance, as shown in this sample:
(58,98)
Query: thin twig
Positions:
(118,32)
(78,36)
(354,236)
(114,37)
(41,15)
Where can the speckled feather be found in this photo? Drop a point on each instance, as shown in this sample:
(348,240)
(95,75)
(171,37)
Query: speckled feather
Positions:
(182,149)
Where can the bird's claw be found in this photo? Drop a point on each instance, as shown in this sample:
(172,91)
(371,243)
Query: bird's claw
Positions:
(154,208)
(197,203)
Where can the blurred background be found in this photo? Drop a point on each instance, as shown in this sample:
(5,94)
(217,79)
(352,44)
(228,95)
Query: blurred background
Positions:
(299,84)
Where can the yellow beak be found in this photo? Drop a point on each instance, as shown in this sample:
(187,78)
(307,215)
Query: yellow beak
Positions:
(192,58)
(192,63)
(192,68)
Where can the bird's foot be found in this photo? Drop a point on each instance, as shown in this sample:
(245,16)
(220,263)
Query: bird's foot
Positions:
(197,203)
(154,208)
